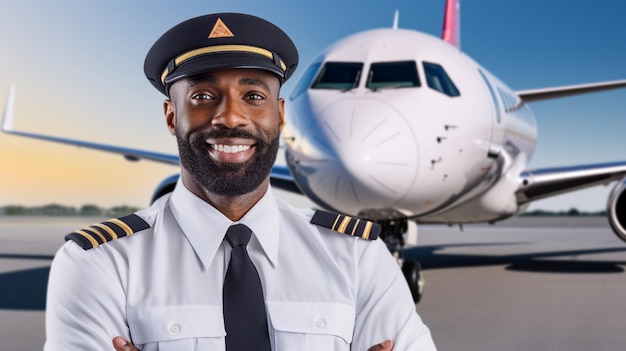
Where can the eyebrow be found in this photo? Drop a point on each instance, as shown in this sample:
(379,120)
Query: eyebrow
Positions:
(195,80)
(252,81)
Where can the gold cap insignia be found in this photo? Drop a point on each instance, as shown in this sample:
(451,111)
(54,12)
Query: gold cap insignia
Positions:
(220,30)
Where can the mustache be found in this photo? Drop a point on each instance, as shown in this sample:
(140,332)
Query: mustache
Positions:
(229,133)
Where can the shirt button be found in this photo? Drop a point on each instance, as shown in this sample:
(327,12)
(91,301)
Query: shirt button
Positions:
(173,328)
(320,322)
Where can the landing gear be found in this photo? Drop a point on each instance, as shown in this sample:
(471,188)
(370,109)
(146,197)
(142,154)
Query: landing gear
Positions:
(412,273)
(396,233)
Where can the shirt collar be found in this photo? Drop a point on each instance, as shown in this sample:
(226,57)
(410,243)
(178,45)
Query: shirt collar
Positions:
(205,227)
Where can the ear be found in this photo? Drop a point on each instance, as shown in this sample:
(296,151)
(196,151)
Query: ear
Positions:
(170,115)
(281,113)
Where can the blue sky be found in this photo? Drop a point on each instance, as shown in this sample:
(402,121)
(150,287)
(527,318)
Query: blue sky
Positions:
(78,68)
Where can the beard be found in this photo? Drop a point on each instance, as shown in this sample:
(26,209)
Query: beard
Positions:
(224,178)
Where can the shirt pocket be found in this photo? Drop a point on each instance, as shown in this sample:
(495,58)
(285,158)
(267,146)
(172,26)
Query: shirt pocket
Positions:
(311,326)
(177,328)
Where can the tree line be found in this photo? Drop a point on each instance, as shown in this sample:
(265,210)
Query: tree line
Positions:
(117,211)
(570,213)
(62,210)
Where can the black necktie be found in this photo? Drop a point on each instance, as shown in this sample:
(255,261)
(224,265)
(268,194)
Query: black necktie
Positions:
(244,307)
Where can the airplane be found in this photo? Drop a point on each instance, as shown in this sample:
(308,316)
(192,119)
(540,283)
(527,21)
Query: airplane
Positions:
(402,128)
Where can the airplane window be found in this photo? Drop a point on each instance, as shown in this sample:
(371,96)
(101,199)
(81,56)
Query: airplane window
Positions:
(437,79)
(338,75)
(386,75)
(305,81)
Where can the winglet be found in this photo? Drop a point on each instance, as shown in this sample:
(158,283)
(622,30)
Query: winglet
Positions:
(395,20)
(451,31)
(7,116)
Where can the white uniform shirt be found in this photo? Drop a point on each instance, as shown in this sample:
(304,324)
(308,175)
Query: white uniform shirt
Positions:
(162,287)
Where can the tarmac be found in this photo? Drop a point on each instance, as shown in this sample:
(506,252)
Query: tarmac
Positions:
(522,284)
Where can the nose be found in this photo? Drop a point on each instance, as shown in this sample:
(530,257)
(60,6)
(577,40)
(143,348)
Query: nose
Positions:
(230,114)
(367,155)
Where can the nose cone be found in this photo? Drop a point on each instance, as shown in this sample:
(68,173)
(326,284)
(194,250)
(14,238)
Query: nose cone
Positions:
(367,155)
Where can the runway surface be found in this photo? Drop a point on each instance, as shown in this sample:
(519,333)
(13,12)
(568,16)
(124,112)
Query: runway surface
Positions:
(523,284)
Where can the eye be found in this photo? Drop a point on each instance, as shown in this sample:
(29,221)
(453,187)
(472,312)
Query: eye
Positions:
(202,96)
(255,96)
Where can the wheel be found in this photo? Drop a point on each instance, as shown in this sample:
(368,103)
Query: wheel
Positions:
(412,273)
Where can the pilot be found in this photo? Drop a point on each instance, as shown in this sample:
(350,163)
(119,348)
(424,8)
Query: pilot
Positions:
(221,263)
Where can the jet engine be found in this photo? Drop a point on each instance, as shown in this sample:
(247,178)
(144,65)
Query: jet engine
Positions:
(616,209)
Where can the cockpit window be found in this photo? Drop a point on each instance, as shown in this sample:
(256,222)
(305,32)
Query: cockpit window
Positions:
(305,81)
(437,79)
(390,75)
(338,75)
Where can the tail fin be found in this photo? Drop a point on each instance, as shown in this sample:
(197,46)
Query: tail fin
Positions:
(451,31)
(7,116)
(395,20)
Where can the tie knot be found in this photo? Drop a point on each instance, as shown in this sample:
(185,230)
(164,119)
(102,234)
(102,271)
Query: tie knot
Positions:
(238,235)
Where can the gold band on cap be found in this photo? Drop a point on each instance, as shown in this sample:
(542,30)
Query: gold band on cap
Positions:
(220,48)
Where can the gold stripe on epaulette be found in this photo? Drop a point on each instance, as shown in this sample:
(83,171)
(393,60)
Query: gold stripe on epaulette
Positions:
(344,224)
(356,225)
(93,241)
(96,232)
(367,230)
(99,233)
(122,225)
(335,223)
(104,227)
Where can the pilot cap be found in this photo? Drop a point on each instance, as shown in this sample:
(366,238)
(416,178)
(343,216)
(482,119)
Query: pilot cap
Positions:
(216,42)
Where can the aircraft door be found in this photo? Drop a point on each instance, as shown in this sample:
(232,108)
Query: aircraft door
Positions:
(497,120)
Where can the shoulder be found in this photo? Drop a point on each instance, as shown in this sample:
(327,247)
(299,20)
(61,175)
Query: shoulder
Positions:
(346,224)
(113,229)
(334,223)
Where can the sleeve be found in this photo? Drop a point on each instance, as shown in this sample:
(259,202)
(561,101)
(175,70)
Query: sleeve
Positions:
(85,305)
(385,308)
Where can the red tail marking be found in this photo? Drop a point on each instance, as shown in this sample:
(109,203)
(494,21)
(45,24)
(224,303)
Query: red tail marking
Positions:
(451,23)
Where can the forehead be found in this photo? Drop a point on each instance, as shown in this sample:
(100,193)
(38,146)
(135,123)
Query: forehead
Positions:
(241,77)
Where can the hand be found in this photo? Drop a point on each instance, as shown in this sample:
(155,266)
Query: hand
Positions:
(386,345)
(121,344)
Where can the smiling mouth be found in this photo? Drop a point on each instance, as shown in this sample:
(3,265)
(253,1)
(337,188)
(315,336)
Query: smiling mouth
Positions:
(230,149)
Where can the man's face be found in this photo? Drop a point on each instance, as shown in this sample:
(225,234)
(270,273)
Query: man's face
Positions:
(227,124)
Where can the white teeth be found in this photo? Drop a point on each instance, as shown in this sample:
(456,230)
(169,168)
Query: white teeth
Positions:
(231,149)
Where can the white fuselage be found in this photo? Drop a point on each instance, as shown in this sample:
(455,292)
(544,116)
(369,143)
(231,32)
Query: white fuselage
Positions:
(365,134)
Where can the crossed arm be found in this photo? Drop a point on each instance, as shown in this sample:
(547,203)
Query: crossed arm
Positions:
(122,344)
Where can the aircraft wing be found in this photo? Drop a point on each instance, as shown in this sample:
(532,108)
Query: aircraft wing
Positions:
(542,183)
(129,153)
(280,177)
(556,92)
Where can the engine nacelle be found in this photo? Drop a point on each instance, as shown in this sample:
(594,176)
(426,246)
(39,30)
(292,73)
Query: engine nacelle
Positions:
(166,186)
(616,209)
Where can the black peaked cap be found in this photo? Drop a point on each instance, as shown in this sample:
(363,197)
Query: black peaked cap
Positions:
(219,41)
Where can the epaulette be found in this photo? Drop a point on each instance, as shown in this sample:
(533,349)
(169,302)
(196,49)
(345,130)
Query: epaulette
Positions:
(113,229)
(346,225)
